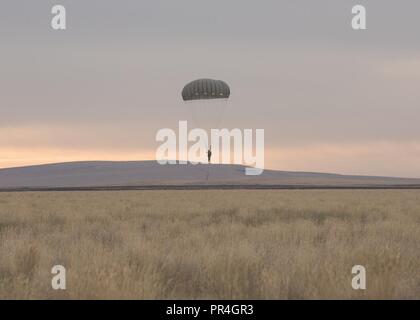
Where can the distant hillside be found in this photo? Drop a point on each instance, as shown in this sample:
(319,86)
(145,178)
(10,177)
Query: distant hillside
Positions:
(140,173)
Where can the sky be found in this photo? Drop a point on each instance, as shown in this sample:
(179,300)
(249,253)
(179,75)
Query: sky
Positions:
(330,99)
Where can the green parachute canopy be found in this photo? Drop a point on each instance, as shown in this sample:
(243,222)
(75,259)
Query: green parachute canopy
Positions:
(205,89)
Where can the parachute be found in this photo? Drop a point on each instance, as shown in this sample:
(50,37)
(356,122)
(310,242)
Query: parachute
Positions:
(205,89)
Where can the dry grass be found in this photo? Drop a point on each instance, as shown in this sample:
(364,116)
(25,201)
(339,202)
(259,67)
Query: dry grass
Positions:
(210,244)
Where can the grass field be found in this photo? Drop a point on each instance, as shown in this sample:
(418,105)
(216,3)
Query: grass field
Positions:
(210,244)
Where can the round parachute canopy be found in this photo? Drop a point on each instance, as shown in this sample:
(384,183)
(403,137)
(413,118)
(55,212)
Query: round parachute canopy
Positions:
(205,89)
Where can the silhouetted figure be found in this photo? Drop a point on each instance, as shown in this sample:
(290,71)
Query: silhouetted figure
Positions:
(209,155)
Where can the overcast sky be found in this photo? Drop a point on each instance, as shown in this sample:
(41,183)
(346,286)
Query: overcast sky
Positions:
(330,98)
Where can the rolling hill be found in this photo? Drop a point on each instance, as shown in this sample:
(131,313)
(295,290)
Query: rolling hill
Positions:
(150,173)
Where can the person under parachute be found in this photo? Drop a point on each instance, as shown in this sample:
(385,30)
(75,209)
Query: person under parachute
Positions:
(209,155)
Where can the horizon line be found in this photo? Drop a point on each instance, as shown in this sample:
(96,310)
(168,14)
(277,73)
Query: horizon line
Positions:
(188,162)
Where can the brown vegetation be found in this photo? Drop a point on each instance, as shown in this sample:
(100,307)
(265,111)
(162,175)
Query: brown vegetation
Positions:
(210,244)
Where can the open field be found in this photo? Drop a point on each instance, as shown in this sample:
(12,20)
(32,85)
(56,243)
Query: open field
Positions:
(230,244)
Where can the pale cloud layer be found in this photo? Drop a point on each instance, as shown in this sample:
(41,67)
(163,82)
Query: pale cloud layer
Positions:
(330,99)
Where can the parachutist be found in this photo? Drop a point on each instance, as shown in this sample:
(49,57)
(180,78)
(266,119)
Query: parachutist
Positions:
(209,155)
(207,97)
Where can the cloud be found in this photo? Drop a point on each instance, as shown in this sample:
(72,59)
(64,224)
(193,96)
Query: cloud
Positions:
(384,158)
(407,68)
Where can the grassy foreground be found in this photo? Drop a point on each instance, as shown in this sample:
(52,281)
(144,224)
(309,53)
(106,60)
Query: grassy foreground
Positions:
(210,244)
